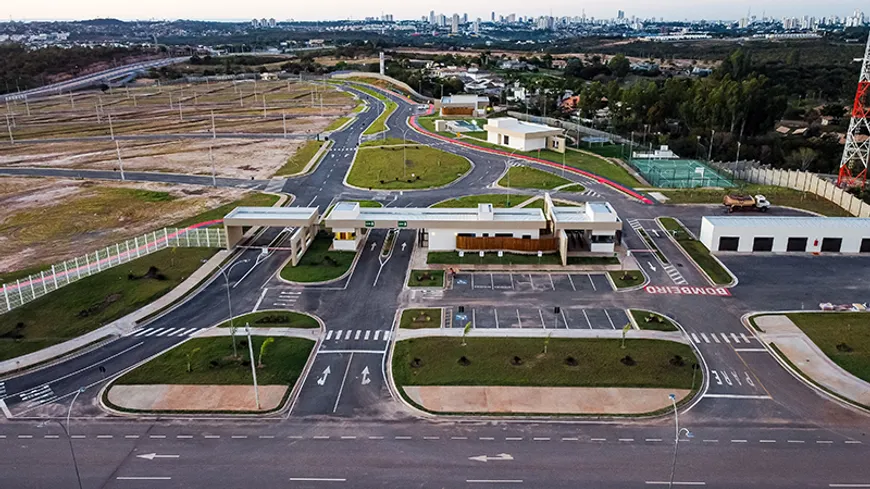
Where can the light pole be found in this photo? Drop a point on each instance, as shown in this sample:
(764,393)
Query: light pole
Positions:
(225,272)
(69,439)
(677,433)
(710,151)
(253,367)
(737,158)
(507,163)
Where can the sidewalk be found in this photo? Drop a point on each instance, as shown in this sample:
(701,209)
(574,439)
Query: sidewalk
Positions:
(404,334)
(812,362)
(119,327)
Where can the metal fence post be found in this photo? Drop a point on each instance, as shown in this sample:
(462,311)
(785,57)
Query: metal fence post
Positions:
(97,255)
(20,294)
(207,238)
(118,252)
(32,288)
(166,236)
(65,272)
(44,287)
(54,276)
(78,270)
(6,296)
(136,246)
(187,237)
(88,265)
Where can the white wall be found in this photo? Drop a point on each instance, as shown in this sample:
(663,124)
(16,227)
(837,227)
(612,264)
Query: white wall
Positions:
(851,236)
(520,143)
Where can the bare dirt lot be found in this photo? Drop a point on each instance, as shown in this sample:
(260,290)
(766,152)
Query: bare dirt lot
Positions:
(45,220)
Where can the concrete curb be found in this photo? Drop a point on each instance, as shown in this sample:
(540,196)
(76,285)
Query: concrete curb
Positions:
(349,271)
(734,279)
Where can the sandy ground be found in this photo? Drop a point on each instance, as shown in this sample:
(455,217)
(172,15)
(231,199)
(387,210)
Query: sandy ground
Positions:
(542,400)
(196,397)
(41,224)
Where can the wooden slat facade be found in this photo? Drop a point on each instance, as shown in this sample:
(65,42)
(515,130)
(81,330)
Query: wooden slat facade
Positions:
(507,244)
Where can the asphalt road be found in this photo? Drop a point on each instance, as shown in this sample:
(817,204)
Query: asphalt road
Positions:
(755,426)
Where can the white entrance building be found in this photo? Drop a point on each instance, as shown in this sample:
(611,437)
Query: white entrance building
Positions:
(524,136)
(786,234)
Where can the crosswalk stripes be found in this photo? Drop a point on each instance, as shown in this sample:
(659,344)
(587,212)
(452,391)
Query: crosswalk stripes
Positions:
(675,275)
(635,224)
(357,335)
(38,396)
(2,389)
(720,338)
(157,332)
(590,193)
(287,298)
(275,185)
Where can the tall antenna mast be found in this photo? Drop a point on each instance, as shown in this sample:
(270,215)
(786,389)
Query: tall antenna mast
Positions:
(856,154)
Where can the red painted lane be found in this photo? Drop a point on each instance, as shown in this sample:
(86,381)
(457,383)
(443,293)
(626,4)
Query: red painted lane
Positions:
(597,178)
(125,254)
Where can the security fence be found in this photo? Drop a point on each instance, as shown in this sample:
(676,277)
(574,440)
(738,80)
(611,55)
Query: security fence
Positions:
(24,290)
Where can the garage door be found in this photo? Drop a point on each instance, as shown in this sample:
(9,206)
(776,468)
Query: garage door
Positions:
(796,244)
(832,245)
(762,244)
(865,245)
(729,243)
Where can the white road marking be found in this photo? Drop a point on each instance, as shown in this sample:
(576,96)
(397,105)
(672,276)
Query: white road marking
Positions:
(725,337)
(695,338)
(260,300)
(377,334)
(329,335)
(153,332)
(706,340)
(750,349)
(347,334)
(587,318)
(316,479)
(368,333)
(343,379)
(494,481)
(357,335)
(143,478)
(166,332)
(737,396)
(608,319)
(766,441)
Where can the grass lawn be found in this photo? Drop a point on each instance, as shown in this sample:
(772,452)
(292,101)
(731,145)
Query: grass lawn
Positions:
(426,278)
(697,251)
(86,305)
(535,204)
(568,362)
(420,318)
(592,260)
(607,151)
(497,200)
(214,363)
(296,163)
(274,319)
(490,258)
(776,196)
(380,124)
(843,336)
(382,168)
(336,124)
(526,177)
(633,278)
(318,264)
(384,142)
(573,188)
(651,320)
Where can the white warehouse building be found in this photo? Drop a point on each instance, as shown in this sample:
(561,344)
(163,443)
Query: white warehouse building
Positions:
(786,234)
(524,136)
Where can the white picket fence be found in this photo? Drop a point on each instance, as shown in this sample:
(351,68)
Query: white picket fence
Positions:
(20,292)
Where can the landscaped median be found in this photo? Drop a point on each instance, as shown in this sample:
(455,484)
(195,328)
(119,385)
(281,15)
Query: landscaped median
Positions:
(626,279)
(652,321)
(420,318)
(319,264)
(273,319)
(543,375)
(829,349)
(206,375)
(405,167)
(697,251)
(426,278)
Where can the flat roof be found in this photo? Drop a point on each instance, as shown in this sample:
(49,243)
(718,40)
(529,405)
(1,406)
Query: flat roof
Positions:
(437,214)
(518,126)
(790,221)
(463,99)
(292,215)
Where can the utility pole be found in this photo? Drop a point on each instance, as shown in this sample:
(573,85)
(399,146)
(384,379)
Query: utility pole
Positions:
(211,159)
(180,112)
(241,103)
(710,151)
(253,365)
(284,122)
(9,128)
(111,128)
(264,106)
(120,161)
(213,134)
(27,105)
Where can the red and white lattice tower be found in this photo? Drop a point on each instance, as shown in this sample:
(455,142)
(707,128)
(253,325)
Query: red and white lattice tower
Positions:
(856,155)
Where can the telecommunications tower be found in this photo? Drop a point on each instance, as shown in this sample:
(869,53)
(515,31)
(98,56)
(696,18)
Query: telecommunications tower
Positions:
(856,155)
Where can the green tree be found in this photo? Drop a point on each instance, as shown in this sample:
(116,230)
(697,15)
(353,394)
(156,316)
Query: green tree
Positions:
(619,65)
(465,332)
(268,341)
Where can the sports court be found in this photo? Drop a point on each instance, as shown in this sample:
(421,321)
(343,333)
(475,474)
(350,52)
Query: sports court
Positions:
(678,173)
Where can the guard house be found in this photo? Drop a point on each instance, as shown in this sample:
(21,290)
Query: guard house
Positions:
(302,220)
(524,136)
(591,229)
(466,105)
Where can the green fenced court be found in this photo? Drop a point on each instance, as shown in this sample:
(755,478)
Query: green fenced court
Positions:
(679,173)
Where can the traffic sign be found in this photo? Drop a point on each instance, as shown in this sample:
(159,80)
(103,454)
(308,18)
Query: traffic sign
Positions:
(403,224)
(370,224)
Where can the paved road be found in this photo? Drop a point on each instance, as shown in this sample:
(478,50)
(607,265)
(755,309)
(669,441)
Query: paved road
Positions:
(756,426)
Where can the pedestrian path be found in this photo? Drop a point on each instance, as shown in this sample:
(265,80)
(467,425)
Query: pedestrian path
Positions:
(729,338)
(358,334)
(635,224)
(160,332)
(675,275)
(38,396)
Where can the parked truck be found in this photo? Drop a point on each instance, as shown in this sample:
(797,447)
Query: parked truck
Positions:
(746,203)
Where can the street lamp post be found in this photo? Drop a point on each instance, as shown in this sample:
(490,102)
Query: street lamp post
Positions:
(737,158)
(253,366)
(507,163)
(710,150)
(69,439)
(677,433)
(404,154)
(225,272)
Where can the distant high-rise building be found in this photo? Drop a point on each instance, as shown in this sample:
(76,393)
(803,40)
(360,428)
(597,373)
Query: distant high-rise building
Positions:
(464,18)
(512,18)
(442,20)
(432,17)
(454,26)
(272,23)
(620,14)
(492,17)
(264,22)
(255,23)
(476,26)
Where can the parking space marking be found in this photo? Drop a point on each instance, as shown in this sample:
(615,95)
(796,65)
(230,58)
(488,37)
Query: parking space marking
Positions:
(495,311)
(552,284)
(473,319)
(572,282)
(591,282)
(587,318)
(541,313)
(518,318)
(491,282)
(562,311)
(531,281)
(608,319)
(512,280)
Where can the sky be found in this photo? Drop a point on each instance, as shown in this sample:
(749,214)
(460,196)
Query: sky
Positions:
(404,9)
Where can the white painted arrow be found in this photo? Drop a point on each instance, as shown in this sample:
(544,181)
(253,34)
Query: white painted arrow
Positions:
(655,231)
(487,458)
(152,456)
(374,245)
(365,377)
(651,266)
(326,373)
(404,245)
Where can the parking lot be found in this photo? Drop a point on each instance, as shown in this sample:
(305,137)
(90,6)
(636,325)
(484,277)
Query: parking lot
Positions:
(577,282)
(537,317)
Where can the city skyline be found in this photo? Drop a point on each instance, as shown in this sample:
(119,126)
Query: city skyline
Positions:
(670,10)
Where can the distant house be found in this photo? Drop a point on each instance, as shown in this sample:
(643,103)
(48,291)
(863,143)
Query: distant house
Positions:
(268,76)
(559,64)
(470,105)
(524,136)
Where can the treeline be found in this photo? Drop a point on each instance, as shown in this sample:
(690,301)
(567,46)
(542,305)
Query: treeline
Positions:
(22,68)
